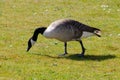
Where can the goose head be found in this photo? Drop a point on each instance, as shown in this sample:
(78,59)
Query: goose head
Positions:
(97,32)
(31,42)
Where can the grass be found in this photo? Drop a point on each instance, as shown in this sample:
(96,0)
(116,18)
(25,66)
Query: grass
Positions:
(18,19)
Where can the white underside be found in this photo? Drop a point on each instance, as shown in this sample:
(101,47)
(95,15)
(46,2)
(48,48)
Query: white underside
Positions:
(63,37)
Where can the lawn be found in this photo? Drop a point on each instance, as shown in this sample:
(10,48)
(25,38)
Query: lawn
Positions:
(19,18)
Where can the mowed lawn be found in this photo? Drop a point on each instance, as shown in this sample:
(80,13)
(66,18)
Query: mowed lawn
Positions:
(19,18)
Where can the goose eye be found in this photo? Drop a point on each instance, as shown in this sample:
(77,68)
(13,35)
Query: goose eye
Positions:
(96,31)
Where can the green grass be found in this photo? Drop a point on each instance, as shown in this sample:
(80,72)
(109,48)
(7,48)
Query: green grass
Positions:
(19,18)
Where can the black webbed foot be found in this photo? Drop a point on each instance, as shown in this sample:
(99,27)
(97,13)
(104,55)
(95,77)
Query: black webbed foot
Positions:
(80,55)
(62,55)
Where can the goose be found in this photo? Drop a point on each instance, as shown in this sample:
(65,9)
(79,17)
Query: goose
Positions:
(65,30)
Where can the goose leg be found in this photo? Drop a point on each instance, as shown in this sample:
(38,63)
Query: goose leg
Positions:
(83,49)
(65,46)
(65,49)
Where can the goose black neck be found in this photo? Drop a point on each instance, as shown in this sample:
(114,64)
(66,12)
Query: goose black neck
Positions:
(37,31)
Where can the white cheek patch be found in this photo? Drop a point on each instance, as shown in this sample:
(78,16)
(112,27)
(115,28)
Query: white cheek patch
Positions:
(87,34)
(32,42)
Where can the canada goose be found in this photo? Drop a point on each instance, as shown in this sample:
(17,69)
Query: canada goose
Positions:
(65,30)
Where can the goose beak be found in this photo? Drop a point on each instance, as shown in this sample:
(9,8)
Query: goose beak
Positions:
(98,35)
(28,49)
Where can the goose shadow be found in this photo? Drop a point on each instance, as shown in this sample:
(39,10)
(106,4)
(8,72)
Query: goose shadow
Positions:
(86,57)
(91,57)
